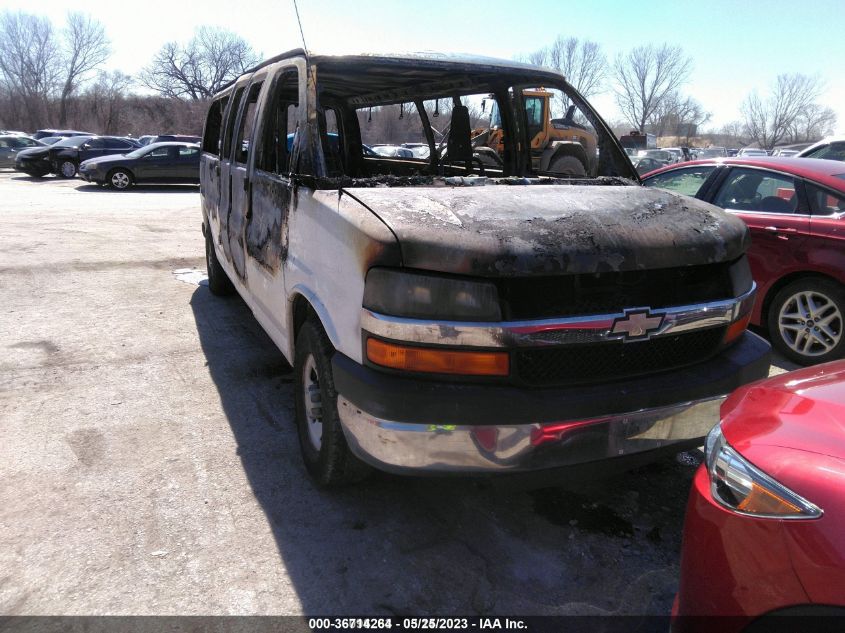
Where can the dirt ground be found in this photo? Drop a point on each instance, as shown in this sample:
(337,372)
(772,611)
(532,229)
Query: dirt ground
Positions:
(149,462)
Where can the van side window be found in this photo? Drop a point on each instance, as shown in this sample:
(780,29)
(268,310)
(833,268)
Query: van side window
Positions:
(247,124)
(280,124)
(231,117)
(213,125)
(332,142)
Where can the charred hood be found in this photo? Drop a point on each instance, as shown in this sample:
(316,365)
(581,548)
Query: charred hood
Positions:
(554,229)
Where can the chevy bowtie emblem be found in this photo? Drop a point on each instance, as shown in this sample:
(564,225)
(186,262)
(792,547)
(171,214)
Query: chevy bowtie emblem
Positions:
(636,325)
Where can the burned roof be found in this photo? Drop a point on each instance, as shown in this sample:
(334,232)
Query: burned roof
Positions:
(413,70)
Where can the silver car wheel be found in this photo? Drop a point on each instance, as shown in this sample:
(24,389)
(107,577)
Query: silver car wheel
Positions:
(810,323)
(312,397)
(67,169)
(120,180)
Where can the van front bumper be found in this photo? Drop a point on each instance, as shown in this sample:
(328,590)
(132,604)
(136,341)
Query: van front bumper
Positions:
(403,424)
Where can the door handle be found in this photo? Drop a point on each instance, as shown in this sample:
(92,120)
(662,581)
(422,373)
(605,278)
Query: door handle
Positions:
(778,229)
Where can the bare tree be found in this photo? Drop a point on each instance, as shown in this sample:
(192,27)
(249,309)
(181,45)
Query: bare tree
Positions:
(814,123)
(645,77)
(212,58)
(678,116)
(28,62)
(86,47)
(107,98)
(768,121)
(582,62)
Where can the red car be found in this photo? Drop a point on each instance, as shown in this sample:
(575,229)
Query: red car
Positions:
(794,208)
(765,526)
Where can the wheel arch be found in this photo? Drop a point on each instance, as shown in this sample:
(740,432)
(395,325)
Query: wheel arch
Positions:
(304,305)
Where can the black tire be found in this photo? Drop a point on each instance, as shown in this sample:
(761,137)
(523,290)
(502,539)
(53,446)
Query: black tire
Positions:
(218,281)
(120,179)
(808,340)
(67,168)
(328,459)
(568,166)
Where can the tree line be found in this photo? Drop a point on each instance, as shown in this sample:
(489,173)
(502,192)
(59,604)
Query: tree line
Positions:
(56,78)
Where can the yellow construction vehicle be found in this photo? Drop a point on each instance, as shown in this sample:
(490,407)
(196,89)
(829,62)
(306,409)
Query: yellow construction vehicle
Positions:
(558,146)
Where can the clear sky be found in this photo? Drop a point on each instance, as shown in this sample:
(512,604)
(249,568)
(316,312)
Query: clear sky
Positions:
(736,46)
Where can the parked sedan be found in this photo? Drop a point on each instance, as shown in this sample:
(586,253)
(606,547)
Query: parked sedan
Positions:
(644,164)
(156,162)
(66,159)
(766,514)
(795,208)
(62,133)
(10,145)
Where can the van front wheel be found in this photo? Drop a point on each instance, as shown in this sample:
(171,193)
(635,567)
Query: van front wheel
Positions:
(324,449)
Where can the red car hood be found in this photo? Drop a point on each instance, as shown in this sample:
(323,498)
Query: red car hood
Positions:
(803,410)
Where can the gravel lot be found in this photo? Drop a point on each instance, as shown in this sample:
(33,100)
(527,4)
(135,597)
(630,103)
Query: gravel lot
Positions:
(150,463)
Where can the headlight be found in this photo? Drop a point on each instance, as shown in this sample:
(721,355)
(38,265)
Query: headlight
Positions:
(421,296)
(742,487)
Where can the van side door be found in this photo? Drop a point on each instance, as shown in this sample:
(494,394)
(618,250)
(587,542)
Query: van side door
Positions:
(226,169)
(239,182)
(210,161)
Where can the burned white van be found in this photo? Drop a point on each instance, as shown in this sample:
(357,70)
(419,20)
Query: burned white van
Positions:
(458,260)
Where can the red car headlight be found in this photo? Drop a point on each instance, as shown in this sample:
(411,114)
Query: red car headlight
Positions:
(742,487)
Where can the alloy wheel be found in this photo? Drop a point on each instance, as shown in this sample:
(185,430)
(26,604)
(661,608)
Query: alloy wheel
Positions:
(120,180)
(810,323)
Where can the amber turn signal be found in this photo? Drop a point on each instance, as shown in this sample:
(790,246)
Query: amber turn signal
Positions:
(736,328)
(437,361)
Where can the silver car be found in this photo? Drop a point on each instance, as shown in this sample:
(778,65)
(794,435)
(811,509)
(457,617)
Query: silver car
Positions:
(11,144)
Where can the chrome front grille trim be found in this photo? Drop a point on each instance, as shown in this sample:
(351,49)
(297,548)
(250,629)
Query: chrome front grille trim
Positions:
(578,330)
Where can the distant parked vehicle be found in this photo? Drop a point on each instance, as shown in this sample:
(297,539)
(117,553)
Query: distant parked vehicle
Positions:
(62,133)
(713,152)
(38,161)
(677,154)
(745,152)
(11,144)
(785,153)
(153,163)
(177,138)
(795,208)
(66,160)
(49,140)
(657,154)
(393,151)
(831,148)
(644,164)
(146,139)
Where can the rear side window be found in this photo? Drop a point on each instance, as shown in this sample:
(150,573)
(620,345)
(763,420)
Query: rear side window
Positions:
(95,143)
(247,123)
(758,190)
(824,202)
(231,117)
(213,126)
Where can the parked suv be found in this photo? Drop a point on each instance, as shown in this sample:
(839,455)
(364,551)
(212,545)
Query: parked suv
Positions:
(452,314)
